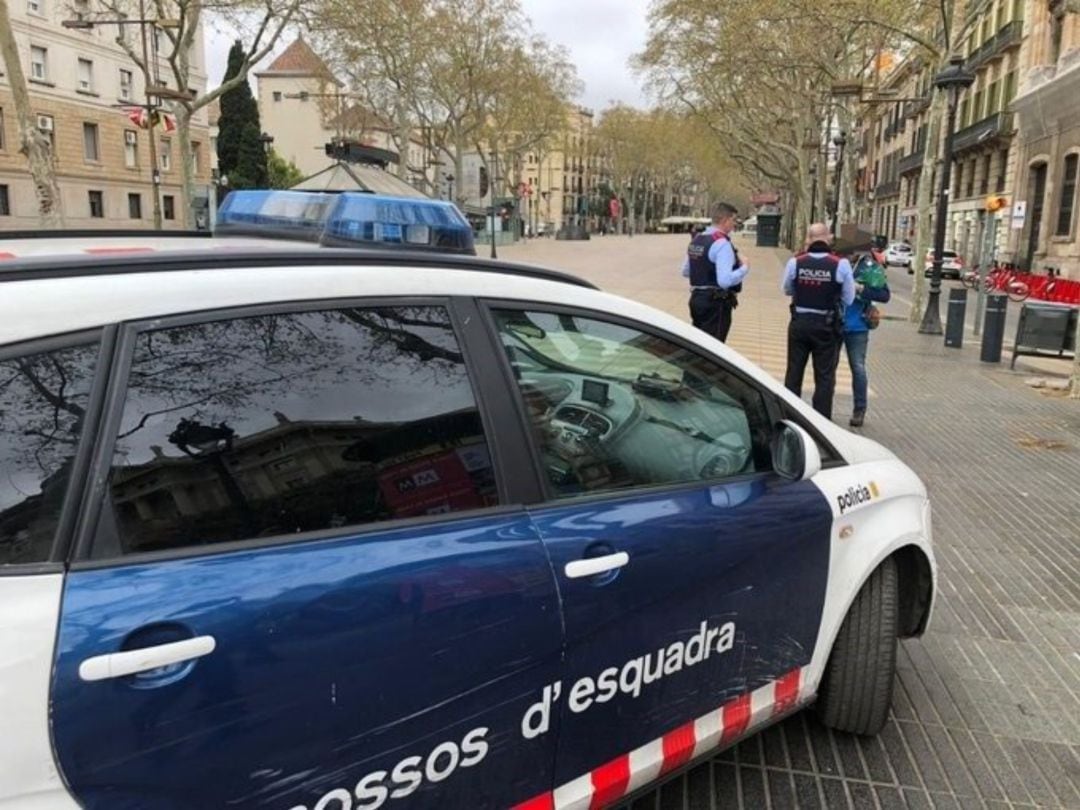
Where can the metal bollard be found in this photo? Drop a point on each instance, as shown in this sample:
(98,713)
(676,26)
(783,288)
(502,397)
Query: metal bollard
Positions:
(954,325)
(994,328)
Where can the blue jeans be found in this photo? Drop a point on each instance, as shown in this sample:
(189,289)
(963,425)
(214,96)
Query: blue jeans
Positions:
(856,344)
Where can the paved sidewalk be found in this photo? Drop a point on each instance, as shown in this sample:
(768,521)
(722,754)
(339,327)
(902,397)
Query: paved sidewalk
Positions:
(987,707)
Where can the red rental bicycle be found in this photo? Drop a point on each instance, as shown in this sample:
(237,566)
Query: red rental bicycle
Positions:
(1001,279)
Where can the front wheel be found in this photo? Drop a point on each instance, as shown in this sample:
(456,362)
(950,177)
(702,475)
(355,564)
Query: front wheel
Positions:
(856,690)
(1019,291)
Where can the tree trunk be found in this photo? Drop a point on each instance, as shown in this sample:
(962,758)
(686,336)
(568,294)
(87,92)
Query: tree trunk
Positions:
(925,204)
(404,139)
(187,164)
(32,142)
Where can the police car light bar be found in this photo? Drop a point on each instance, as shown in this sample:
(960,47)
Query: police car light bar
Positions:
(358,219)
(350,219)
(274,214)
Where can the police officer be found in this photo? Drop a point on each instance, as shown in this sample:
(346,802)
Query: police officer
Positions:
(821,286)
(716,272)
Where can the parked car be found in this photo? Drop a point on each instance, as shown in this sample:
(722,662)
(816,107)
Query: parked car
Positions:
(952,266)
(898,254)
(299,528)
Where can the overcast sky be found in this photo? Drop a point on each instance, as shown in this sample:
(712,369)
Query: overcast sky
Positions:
(602,35)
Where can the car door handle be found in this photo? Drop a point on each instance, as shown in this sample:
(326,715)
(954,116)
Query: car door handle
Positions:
(117,665)
(591,566)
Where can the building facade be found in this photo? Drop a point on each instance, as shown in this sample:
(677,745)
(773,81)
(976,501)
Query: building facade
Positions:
(893,137)
(984,157)
(1045,233)
(304,107)
(80,82)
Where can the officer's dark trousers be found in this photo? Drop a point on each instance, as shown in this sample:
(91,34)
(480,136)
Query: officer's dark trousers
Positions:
(710,313)
(811,336)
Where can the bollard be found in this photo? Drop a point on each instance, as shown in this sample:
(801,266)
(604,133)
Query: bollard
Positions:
(994,328)
(954,325)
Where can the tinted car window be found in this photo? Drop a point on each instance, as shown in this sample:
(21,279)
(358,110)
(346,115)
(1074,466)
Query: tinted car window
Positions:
(43,400)
(290,423)
(613,407)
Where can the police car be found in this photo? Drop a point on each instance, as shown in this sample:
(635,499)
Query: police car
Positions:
(297,527)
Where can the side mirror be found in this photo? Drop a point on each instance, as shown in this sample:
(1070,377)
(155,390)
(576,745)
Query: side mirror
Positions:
(795,454)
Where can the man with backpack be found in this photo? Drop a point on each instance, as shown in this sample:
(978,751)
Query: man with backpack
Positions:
(716,273)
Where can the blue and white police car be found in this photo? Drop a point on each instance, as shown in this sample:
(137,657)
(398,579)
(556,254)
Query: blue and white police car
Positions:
(295,527)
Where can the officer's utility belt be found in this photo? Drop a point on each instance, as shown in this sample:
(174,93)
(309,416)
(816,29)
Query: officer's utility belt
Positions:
(718,293)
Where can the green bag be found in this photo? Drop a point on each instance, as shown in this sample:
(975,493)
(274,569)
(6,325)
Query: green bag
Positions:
(869,273)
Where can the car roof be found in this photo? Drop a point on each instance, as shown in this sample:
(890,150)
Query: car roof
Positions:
(49,295)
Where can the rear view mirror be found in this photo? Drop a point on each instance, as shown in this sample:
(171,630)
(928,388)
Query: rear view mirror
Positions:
(795,454)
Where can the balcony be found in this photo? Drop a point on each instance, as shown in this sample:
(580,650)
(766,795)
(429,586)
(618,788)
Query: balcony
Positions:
(1009,36)
(998,125)
(912,162)
(889,189)
(916,107)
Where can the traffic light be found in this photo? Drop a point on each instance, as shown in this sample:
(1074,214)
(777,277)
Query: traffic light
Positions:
(483,181)
(995,202)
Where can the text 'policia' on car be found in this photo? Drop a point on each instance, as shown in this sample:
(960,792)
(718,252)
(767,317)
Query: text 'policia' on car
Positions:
(318,529)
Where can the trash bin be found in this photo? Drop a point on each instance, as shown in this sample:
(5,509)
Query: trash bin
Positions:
(1045,329)
(954,324)
(994,328)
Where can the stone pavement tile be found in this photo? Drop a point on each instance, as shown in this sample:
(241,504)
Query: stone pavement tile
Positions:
(798,743)
(807,793)
(1032,777)
(899,757)
(917,800)
(1002,769)
(926,760)
(673,795)
(889,798)
(862,796)
(835,794)
(699,788)
(752,784)
(1059,766)
(972,757)
(772,741)
(781,790)
(726,785)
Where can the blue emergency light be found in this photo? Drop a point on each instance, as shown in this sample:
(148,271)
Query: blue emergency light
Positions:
(417,224)
(349,219)
(280,214)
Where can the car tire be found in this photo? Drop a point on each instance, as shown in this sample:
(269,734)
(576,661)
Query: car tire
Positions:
(856,690)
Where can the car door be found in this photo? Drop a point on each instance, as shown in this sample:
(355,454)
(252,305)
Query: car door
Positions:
(692,577)
(305,586)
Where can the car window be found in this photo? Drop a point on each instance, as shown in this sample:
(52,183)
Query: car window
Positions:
(613,407)
(43,399)
(277,424)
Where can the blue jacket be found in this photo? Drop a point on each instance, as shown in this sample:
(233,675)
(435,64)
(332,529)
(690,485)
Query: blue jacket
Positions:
(853,315)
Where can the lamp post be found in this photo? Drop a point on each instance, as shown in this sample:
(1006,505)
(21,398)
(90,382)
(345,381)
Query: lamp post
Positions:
(813,192)
(212,442)
(840,141)
(953,80)
(494,182)
(450,186)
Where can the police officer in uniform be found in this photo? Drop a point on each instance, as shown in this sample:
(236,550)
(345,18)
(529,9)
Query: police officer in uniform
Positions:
(716,272)
(821,286)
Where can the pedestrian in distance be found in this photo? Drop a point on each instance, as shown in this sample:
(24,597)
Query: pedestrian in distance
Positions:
(716,273)
(860,317)
(821,285)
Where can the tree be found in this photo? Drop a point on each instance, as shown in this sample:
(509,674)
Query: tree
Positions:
(241,155)
(263,21)
(282,173)
(462,75)
(33,143)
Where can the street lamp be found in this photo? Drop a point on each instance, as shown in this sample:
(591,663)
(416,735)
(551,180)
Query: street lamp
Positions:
(813,192)
(449,186)
(840,141)
(267,141)
(953,80)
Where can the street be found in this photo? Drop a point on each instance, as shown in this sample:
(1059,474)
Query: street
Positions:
(986,710)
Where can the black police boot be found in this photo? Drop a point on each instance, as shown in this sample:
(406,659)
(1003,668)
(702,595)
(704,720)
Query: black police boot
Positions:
(857,418)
